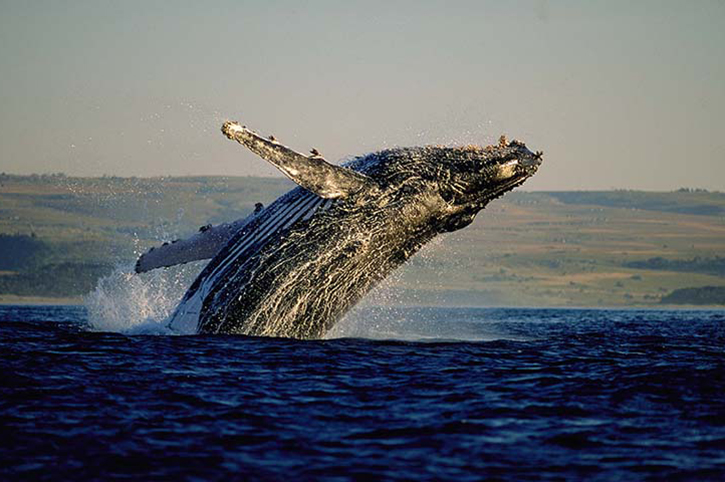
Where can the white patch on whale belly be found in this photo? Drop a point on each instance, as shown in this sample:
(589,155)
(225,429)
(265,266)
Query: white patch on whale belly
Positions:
(280,215)
(186,318)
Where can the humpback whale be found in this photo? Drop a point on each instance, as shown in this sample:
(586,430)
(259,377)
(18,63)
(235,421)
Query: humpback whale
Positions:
(295,267)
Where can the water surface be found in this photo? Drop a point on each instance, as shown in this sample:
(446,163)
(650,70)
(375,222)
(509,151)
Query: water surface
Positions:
(428,394)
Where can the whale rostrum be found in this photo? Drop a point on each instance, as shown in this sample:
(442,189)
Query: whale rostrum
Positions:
(295,267)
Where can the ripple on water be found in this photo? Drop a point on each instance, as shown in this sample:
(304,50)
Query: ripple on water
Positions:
(553,394)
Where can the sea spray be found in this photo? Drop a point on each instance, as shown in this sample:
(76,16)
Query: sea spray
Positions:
(404,308)
(421,324)
(392,310)
(129,303)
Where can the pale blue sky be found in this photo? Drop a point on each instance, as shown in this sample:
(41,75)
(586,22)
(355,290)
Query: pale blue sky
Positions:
(616,94)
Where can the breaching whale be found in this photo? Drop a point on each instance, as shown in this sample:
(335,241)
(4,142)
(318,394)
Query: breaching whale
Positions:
(294,268)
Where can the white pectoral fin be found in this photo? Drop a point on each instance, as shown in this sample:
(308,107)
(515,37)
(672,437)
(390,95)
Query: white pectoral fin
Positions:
(311,172)
(203,245)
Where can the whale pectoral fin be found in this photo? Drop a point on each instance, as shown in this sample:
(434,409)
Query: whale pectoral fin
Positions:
(311,172)
(203,245)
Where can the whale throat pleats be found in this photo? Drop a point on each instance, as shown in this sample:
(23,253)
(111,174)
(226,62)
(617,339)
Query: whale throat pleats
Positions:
(311,172)
(290,208)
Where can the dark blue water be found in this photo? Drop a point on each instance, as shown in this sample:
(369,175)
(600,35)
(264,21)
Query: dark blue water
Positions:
(575,394)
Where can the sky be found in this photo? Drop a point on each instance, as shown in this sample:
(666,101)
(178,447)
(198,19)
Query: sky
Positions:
(626,95)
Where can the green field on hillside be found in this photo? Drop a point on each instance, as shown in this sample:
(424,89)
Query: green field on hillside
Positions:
(59,234)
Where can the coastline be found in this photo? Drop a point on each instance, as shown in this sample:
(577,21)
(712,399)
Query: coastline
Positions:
(40,300)
(78,301)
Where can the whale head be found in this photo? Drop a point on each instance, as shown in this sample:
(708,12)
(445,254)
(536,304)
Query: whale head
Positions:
(477,175)
(470,177)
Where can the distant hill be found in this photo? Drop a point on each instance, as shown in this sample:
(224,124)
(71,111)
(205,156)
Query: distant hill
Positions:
(18,251)
(684,201)
(705,295)
(714,266)
(55,280)
(59,234)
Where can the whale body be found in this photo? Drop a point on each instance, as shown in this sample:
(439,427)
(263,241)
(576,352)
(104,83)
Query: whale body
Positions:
(297,266)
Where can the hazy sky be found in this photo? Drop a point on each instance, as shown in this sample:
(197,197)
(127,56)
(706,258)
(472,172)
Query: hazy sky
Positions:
(616,94)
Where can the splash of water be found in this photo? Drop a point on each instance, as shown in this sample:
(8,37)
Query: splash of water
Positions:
(392,312)
(420,324)
(126,302)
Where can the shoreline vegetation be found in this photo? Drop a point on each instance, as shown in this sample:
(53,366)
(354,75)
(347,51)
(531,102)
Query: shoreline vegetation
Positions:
(616,249)
(12,300)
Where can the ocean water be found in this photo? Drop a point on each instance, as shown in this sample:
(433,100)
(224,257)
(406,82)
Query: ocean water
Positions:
(393,394)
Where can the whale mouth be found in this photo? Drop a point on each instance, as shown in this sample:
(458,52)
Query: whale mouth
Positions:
(532,162)
(528,164)
(514,173)
(520,168)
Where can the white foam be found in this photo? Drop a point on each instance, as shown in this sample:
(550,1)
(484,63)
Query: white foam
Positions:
(130,303)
